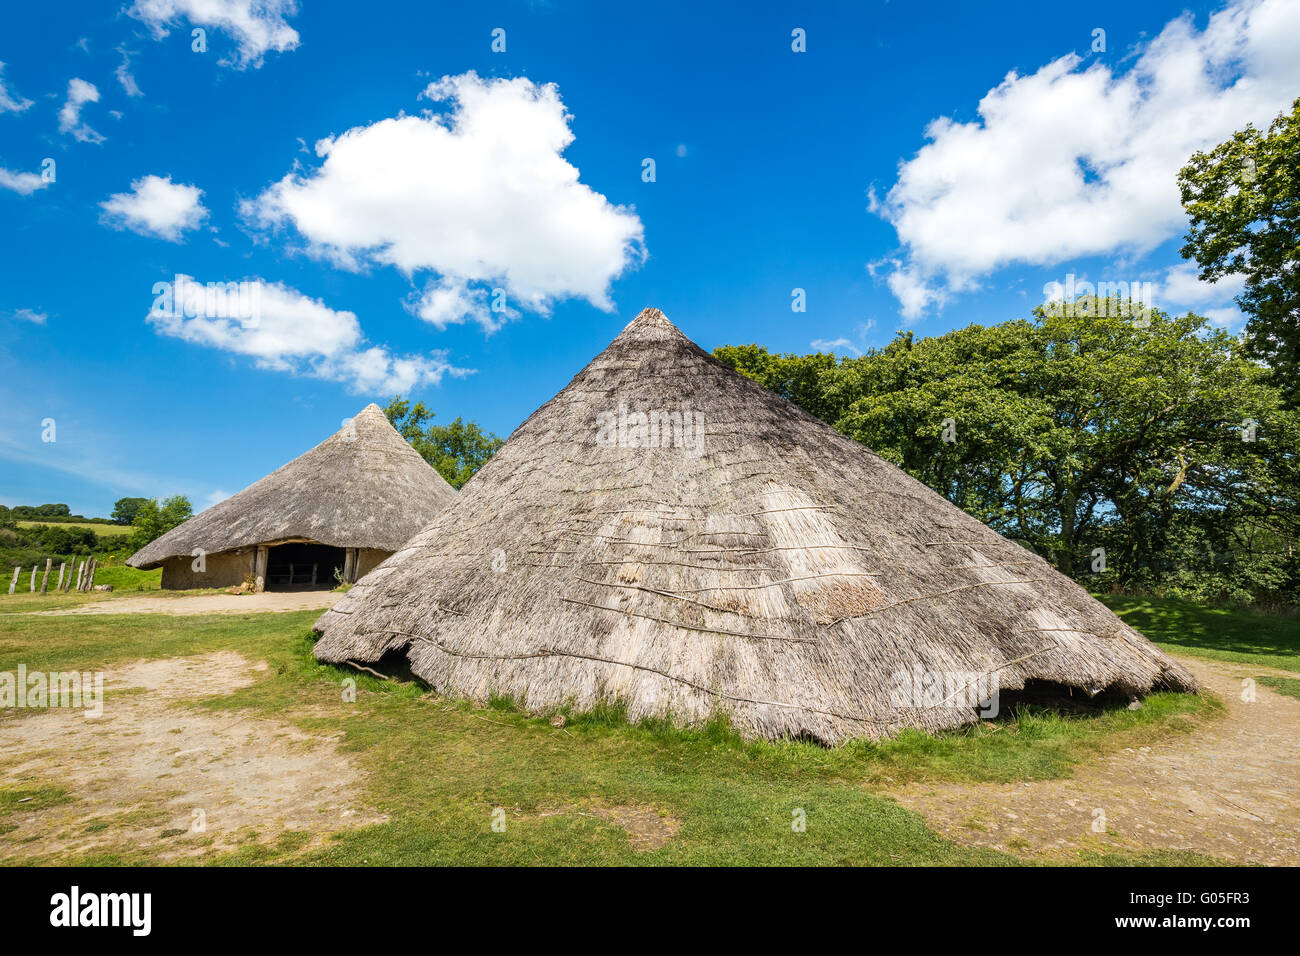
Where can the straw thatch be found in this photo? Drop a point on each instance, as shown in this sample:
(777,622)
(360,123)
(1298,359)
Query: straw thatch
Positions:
(782,573)
(363,487)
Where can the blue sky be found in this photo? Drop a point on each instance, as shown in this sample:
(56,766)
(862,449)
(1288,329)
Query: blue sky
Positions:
(376,175)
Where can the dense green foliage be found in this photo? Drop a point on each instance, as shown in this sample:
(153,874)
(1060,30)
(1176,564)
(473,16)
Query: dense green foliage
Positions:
(152,520)
(40,511)
(456,450)
(1243,202)
(1164,445)
(125,509)
(52,534)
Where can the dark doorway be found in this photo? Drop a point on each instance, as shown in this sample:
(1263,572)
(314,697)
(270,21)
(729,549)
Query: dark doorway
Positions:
(303,567)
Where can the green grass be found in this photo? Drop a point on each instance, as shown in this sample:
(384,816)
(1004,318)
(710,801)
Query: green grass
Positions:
(102,530)
(1283,685)
(438,768)
(1221,634)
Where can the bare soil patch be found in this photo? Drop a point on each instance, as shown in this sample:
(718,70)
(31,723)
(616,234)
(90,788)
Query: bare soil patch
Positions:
(153,774)
(1230,789)
(207,604)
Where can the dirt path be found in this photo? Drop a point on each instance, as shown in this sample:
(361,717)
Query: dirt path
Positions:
(1230,789)
(152,773)
(206,604)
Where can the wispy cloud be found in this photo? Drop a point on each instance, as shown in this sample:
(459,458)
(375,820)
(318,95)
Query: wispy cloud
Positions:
(287,331)
(125,76)
(80,92)
(22,183)
(10,101)
(258,27)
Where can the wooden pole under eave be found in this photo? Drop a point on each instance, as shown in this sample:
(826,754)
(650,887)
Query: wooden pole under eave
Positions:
(259,568)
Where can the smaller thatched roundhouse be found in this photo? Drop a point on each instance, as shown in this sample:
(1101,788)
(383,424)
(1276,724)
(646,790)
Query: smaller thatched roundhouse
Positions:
(332,513)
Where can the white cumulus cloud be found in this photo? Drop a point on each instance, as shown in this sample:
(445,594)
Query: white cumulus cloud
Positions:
(476,198)
(155,206)
(1080,160)
(281,329)
(257,26)
(80,92)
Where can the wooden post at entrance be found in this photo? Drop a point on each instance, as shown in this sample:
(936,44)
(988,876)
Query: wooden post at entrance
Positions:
(350,565)
(45,578)
(14,583)
(259,568)
(290,573)
(313,575)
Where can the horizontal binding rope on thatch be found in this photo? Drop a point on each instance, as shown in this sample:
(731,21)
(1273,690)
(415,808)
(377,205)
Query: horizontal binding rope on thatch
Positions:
(552,652)
(692,627)
(936,594)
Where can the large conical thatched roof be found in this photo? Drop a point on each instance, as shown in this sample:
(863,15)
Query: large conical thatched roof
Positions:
(785,573)
(363,487)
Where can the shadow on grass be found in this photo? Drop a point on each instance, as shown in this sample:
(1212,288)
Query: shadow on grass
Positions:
(1217,633)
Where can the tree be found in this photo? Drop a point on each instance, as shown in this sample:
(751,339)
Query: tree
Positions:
(1243,200)
(456,450)
(63,539)
(152,520)
(125,508)
(1076,429)
(30,512)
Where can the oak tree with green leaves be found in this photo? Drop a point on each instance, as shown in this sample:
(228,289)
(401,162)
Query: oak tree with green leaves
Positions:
(1074,430)
(153,519)
(1243,202)
(456,450)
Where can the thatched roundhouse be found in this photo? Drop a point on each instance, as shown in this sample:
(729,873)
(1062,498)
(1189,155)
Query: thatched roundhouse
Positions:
(670,535)
(344,506)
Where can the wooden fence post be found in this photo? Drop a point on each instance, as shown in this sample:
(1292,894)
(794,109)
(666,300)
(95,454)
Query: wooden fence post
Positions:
(90,575)
(58,588)
(31,587)
(14,583)
(45,578)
